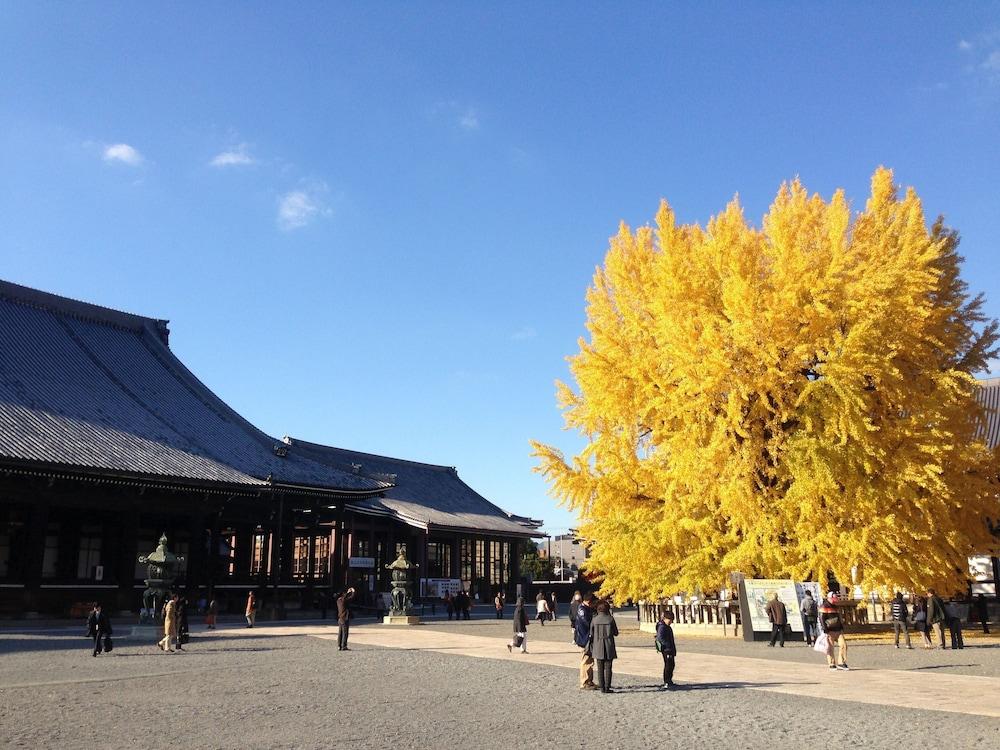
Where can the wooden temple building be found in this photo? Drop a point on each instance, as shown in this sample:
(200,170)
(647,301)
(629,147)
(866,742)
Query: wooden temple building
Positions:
(107,440)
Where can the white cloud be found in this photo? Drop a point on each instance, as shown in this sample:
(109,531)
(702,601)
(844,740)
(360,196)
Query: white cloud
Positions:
(299,207)
(124,153)
(456,114)
(234,157)
(523,334)
(965,45)
(469,120)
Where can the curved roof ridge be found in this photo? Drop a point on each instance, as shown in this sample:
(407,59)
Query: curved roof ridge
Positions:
(83,310)
(294,441)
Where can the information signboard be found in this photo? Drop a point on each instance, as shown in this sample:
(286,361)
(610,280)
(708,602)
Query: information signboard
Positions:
(759,591)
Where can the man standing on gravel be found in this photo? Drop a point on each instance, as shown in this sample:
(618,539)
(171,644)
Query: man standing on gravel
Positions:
(581,635)
(900,618)
(574,605)
(810,612)
(936,615)
(344,618)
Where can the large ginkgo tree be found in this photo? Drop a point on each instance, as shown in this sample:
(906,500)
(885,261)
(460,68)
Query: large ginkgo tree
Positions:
(792,400)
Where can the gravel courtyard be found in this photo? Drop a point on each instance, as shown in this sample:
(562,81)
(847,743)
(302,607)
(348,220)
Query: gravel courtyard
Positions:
(237,688)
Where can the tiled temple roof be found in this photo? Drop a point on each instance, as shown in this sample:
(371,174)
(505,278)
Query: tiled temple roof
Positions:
(423,495)
(91,390)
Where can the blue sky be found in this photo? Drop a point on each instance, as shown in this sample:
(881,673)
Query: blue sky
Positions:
(373,224)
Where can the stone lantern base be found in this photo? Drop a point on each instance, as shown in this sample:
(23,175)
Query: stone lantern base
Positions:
(401,620)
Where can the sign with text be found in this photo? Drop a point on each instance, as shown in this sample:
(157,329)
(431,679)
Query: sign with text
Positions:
(361,562)
(438,587)
(760,591)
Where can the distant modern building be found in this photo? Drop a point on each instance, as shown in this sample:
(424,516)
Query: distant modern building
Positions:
(107,440)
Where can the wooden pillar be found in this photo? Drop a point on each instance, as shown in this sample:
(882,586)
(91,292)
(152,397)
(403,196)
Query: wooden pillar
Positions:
(124,569)
(34,554)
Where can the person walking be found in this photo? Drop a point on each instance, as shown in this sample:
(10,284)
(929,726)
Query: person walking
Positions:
(832,623)
(554,606)
(344,616)
(251,610)
(936,615)
(498,603)
(809,610)
(581,635)
(982,613)
(98,628)
(169,625)
(542,608)
(601,644)
(520,639)
(900,618)
(667,647)
(574,605)
(778,616)
(212,613)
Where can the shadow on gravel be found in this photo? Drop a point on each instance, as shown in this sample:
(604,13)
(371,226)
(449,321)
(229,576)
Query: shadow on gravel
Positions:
(940,666)
(690,686)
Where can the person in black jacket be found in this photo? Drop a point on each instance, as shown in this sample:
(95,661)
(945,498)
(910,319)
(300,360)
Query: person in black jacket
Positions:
(667,647)
(900,618)
(520,628)
(98,627)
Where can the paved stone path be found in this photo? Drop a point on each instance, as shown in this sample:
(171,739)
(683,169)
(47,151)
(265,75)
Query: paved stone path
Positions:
(939,692)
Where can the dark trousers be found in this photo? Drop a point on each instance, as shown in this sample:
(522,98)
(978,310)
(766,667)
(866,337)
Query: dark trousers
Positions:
(985,623)
(499,614)
(604,674)
(809,630)
(668,667)
(450,612)
(777,633)
(955,630)
(345,628)
(466,614)
(98,643)
(900,625)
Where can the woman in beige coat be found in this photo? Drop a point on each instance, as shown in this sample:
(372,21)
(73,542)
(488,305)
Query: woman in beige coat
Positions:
(170,626)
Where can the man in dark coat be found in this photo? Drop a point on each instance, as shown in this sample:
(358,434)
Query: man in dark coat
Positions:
(98,627)
(778,616)
(936,615)
(344,616)
(584,614)
(574,605)
(667,647)
(601,645)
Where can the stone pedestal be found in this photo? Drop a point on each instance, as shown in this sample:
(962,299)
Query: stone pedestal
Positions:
(401,620)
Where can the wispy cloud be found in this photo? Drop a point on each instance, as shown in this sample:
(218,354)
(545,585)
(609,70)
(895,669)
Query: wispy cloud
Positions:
(982,53)
(297,208)
(234,157)
(457,114)
(469,120)
(523,333)
(122,153)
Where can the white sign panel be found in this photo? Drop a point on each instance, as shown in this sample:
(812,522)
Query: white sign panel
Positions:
(761,590)
(438,587)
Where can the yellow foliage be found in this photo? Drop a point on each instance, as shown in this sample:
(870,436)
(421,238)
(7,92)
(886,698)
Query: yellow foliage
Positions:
(783,401)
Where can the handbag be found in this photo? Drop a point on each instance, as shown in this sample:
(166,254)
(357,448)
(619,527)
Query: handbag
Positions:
(108,644)
(518,639)
(822,643)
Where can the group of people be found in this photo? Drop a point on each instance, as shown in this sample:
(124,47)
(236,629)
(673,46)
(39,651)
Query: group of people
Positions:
(594,631)
(545,607)
(930,616)
(458,606)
